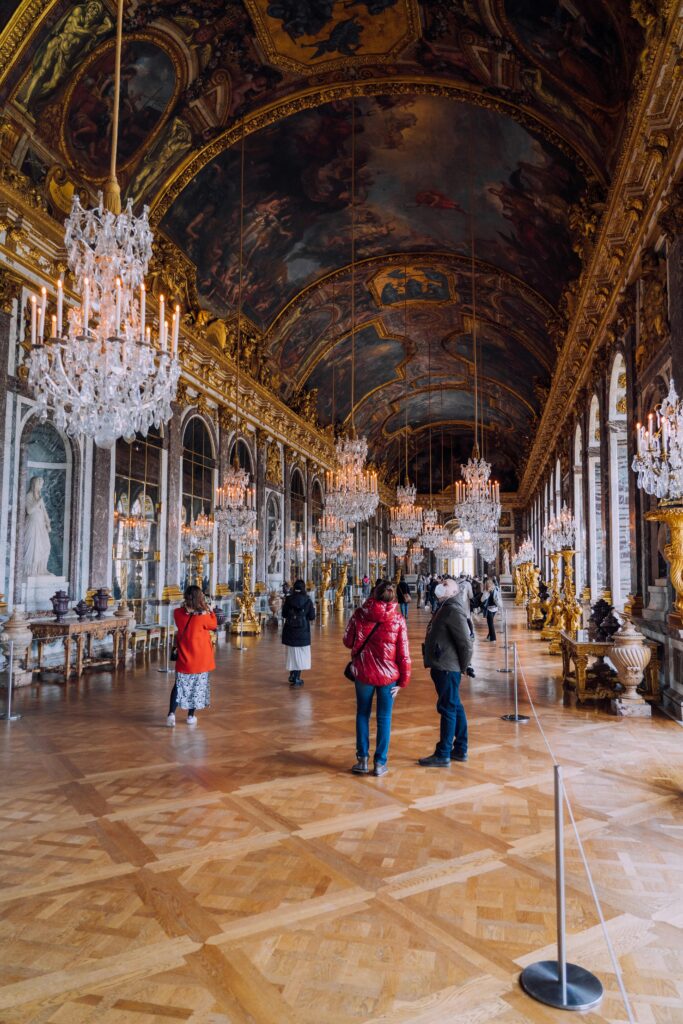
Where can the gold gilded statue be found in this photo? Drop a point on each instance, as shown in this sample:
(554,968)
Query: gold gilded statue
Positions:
(247,624)
(341,587)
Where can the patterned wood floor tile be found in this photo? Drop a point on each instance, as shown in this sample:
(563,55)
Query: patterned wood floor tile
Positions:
(239,874)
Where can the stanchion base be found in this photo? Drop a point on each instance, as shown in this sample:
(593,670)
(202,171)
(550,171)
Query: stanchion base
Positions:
(515,718)
(506,671)
(9,718)
(166,671)
(541,982)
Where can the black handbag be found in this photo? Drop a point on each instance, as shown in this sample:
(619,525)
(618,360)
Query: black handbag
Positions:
(348,671)
(173,656)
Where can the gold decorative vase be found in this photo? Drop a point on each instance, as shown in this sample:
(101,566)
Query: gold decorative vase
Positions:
(672,515)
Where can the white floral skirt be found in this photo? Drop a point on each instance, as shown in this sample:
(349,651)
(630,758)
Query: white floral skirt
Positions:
(194,690)
(298,659)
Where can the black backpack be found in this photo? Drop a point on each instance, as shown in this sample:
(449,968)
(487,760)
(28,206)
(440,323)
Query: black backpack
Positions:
(296,618)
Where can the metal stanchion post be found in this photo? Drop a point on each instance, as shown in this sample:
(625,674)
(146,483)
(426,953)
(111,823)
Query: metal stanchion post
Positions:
(506,645)
(555,982)
(8,716)
(516,717)
(167,647)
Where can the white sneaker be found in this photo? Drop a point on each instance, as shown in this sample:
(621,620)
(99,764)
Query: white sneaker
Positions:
(191,719)
(170,721)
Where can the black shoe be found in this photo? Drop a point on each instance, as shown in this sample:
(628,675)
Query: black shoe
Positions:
(292,677)
(458,757)
(434,761)
(380,769)
(361,766)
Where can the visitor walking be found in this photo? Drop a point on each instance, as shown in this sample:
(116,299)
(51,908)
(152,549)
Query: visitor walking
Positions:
(421,588)
(377,636)
(489,605)
(447,653)
(403,596)
(431,588)
(298,612)
(367,587)
(195,658)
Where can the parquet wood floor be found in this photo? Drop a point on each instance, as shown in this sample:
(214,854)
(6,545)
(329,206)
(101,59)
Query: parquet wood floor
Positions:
(239,874)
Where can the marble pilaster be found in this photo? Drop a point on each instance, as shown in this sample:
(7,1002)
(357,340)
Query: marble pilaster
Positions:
(223,541)
(175,452)
(102,511)
(261,523)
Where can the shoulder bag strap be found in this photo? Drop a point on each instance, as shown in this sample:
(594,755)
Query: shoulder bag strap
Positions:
(367,639)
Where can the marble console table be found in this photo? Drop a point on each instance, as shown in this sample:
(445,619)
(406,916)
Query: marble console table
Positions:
(80,633)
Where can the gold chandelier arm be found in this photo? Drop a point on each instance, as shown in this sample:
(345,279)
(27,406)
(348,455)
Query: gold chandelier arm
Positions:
(112,192)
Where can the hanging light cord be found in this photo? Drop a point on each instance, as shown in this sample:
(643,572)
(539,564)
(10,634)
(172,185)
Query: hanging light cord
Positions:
(429,413)
(353,262)
(112,192)
(405,335)
(239,297)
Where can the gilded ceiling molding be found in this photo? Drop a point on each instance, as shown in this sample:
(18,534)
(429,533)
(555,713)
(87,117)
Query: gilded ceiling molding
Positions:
(642,179)
(316,96)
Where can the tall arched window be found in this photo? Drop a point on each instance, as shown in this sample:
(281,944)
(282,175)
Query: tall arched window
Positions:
(316,514)
(595,492)
(620,534)
(199,466)
(297,525)
(580,540)
(137,497)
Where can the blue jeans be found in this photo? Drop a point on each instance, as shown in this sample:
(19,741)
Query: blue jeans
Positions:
(385,704)
(453,736)
(403,605)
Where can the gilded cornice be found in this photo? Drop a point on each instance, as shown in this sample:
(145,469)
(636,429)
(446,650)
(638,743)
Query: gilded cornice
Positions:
(645,171)
(315,96)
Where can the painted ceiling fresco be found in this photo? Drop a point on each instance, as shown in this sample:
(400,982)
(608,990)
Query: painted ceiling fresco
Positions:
(500,119)
(427,172)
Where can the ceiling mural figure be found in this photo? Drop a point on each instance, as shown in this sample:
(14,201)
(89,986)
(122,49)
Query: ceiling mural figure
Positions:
(148,81)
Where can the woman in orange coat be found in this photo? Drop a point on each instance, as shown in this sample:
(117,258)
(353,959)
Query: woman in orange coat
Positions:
(195,659)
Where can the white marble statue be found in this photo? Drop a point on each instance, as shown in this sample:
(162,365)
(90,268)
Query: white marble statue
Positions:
(275,551)
(36,531)
(506,562)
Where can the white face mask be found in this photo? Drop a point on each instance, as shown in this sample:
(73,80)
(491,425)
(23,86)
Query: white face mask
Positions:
(440,592)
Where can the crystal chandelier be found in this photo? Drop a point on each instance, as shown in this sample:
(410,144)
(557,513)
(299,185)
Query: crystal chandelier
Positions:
(136,530)
(549,538)
(399,546)
(235,505)
(332,533)
(415,554)
(100,375)
(351,491)
(560,532)
(433,534)
(525,552)
(659,452)
(406,516)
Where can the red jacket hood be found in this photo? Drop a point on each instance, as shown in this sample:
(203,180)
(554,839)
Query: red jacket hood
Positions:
(379,611)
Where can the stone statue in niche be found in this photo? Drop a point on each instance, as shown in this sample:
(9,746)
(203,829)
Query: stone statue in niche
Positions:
(506,561)
(37,529)
(275,548)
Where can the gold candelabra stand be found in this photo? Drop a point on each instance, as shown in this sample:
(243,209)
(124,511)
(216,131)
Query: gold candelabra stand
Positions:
(571,607)
(247,624)
(325,584)
(554,621)
(341,585)
(672,515)
(534,612)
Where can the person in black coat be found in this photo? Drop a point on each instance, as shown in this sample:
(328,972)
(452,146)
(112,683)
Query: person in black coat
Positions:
(298,612)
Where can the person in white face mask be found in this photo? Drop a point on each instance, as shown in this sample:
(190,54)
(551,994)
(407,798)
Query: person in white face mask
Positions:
(447,653)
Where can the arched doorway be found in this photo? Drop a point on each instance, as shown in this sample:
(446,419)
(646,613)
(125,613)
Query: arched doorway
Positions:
(580,539)
(198,476)
(620,534)
(596,539)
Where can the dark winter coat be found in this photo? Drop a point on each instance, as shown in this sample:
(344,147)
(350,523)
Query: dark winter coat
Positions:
(447,645)
(298,613)
(385,659)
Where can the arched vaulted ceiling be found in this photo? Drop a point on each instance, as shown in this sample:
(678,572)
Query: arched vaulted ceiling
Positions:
(493,123)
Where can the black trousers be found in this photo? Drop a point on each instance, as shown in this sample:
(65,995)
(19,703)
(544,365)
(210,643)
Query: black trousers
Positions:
(490,616)
(174,701)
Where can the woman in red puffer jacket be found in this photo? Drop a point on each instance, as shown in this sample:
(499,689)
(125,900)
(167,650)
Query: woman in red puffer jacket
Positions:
(380,661)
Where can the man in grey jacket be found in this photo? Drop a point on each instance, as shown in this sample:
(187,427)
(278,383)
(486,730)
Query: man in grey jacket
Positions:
(447,653)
